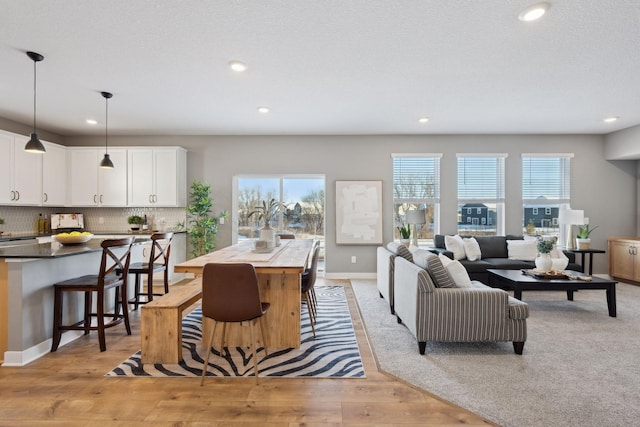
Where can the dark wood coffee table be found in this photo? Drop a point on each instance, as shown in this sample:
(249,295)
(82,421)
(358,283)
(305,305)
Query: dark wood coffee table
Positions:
(517,281)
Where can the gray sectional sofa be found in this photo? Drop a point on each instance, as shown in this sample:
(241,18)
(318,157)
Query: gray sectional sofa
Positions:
(494,255)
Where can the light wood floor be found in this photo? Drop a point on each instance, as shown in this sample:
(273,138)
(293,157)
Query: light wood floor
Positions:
(69,388)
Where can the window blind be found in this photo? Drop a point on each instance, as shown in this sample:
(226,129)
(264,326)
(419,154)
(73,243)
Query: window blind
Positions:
(546,178)
(416,179)
(481,178)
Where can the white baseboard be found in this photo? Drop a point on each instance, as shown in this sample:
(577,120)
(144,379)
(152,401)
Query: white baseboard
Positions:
(350,275)
(22,358)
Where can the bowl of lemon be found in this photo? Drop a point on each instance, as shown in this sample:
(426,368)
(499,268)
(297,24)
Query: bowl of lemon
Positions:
(73,238)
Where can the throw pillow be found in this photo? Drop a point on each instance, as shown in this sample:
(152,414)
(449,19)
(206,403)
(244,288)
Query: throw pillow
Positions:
(457,272)
(472,249)
(524,250)
(456,245)
(400,250)
(439,275)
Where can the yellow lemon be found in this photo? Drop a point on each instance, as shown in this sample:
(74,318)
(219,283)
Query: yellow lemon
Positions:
(86,233)
(63,234)
(74,233)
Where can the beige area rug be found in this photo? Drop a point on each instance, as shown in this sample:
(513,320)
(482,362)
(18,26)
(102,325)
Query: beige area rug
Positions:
(580,367)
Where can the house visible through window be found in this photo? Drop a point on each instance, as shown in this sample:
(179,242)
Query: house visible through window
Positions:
(416,185)
(481,193)
(546,188)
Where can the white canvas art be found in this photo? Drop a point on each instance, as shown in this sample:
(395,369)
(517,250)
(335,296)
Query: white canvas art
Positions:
(358,212)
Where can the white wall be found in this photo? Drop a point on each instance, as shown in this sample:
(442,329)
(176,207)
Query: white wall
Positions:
(606,190)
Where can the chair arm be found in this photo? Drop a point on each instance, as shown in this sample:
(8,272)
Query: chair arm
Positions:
(439,251)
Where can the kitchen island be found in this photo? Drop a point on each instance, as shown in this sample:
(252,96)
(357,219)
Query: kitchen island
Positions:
(27,272)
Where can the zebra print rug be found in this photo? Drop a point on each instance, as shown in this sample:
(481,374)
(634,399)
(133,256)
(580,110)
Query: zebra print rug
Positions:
(333,353)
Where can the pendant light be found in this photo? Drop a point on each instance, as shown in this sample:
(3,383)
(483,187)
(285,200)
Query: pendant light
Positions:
(106,161)
(34,145)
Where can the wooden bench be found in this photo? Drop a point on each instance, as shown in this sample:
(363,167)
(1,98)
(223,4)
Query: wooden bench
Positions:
(161,322)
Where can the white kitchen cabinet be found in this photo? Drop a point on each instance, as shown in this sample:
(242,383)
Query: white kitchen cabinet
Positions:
(91,185)
(157,176)
(21,176)
(54,175)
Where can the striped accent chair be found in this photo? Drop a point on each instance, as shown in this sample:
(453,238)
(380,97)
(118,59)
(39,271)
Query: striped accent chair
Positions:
(385,266)
(478,314)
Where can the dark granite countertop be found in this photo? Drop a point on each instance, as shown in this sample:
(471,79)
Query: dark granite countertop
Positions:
(55,249)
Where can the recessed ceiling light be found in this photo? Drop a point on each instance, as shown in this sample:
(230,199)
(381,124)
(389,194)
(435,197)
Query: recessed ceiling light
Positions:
(263,110)
(610,119)
(423,119)
(534,12)
(91,122)
(238,66)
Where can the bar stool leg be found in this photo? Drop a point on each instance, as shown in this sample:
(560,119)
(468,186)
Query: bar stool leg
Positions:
(57,319)
(87,312)
(100,316)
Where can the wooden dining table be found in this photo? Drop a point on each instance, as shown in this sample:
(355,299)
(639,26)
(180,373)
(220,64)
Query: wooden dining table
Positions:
(279,275)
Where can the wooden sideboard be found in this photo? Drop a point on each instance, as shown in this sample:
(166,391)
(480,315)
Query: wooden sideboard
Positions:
(624,258)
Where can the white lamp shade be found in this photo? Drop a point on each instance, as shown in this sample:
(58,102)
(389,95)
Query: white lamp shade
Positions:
(571,216)
(416,216)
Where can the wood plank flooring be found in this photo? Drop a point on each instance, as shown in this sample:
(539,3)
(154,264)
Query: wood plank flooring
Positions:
(69,388)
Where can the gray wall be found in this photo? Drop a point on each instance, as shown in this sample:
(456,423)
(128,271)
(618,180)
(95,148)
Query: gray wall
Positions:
(605,189)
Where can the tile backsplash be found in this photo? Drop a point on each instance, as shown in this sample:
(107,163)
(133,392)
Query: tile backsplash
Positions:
(23,220)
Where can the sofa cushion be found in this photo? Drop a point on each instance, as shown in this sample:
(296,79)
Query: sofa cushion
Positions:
(493,246)
(476,266)
(472,249)
(525,250)
(433,265)
(400,250)
(455,244)
(456,271)
(509,264)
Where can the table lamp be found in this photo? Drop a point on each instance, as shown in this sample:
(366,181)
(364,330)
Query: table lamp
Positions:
(570,217)
(414,217)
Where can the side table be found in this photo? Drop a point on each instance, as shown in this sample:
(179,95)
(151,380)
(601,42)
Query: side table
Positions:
(582,252)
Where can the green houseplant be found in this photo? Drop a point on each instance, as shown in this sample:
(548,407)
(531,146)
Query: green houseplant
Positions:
(405,232)
(583,238)
(267,211)
(134,221)
(203,224)
(545,246)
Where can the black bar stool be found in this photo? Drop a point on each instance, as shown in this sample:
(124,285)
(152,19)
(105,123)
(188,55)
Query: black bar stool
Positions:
(158,261)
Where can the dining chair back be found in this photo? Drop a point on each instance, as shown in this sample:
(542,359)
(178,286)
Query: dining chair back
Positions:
(112,274)
(158,261)
(307,288)
(230,294)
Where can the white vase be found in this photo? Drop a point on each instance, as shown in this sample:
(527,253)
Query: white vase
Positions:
(268,234)
(544,262)
(583,244)
(405,242)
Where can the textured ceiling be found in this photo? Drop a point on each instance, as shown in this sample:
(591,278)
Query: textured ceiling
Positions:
(323,67)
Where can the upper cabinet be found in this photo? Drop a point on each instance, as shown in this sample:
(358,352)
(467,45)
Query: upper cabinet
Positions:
(91,185)
(54,175)
(157,176)
(21,174)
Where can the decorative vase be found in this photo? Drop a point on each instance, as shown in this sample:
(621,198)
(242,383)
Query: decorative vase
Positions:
(544,262)
(405,242)
(268,234)
(582,244)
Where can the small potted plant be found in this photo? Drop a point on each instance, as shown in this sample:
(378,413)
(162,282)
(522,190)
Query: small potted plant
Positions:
(583,239)
(134,221)
(405,234)
(267,212)
(545,246)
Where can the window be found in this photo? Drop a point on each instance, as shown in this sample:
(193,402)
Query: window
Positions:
(303,197)
(481,193)
(416,185)
(545,190)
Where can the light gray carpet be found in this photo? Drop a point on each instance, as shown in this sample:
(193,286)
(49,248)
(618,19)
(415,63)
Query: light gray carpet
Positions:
(580,367)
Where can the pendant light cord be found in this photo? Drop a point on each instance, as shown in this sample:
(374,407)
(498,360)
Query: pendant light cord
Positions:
(34,96)
(106,125)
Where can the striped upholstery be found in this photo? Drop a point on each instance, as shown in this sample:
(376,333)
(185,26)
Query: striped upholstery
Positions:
(400,250)
(430,262)
(477,314)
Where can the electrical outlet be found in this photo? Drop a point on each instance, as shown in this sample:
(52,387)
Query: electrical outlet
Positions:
(353,259)
(221,220)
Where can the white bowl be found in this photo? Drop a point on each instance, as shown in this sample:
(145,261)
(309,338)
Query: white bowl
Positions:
(72,240)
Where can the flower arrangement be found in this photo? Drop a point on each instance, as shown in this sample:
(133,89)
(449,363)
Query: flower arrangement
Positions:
(268,211)
(546,245)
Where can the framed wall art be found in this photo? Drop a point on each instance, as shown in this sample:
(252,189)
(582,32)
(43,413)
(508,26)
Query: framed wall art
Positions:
(359,212)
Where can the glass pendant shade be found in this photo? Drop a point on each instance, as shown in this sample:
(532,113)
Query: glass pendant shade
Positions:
(34,145)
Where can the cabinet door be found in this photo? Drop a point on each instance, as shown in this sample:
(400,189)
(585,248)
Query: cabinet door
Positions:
(6,178)
(113,182)
(54,175)
(165,174)
(622,260)
(83,178)
(140,177)
(27,174)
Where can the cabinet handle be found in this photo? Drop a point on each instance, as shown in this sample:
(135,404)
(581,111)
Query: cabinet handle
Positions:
(155,198)
(101,199)
(95,199)
(150,198)
(18,193)
(46,197)
(13,195)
